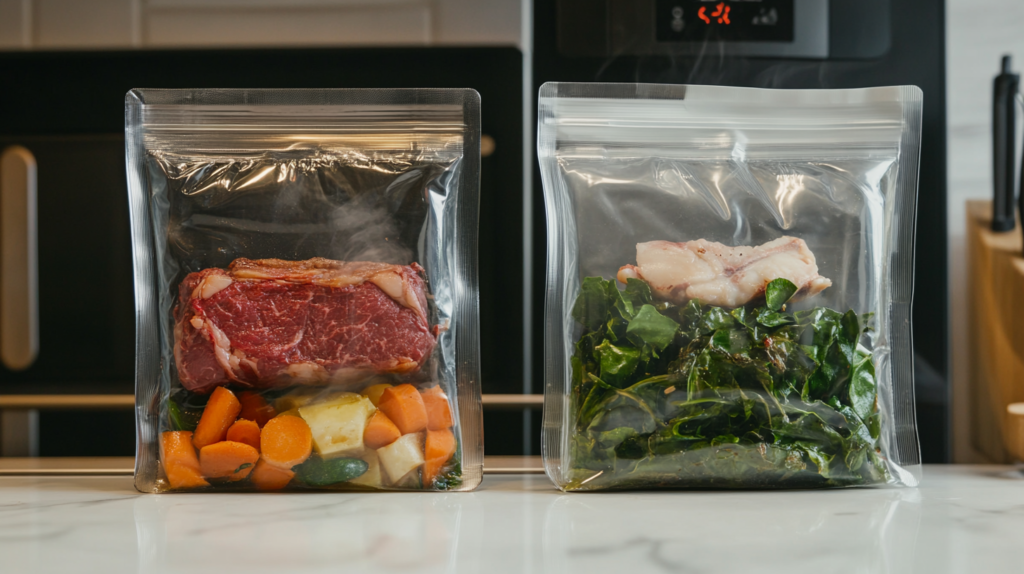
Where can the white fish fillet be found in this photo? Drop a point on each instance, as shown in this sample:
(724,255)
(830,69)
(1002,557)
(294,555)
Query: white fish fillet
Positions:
(721,275)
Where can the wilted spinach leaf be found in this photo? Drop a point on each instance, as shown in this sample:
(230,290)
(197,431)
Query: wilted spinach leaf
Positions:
(650,327)
(591,308)
(778,292)
(636,295)
(698,395)
(617,363)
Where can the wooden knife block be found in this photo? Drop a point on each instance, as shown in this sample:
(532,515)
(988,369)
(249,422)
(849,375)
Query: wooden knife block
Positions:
(996,335)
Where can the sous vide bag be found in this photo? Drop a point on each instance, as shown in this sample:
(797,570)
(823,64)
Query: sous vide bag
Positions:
(306,288)
(729,283)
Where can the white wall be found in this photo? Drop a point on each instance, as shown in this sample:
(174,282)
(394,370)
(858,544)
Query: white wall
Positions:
(55,24)
(978,32)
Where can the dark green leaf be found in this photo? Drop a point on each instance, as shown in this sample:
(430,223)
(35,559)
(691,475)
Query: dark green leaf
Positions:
(778,292)
(591,308)
(183,418)
(743,316)
(617,363)
(451,475)
(731,341)
(318,471)
(691,312)
(716,318)
(652,328)
(820,459)
(242,467)
(770,318)
(862,388)
(771,398)
(616,329)
(629,301)
(849,335)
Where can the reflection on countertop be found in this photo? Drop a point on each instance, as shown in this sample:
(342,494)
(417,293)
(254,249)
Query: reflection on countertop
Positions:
(961,519)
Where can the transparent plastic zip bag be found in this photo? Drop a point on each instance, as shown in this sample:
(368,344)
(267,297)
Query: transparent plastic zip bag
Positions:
(729,283)
(306,289)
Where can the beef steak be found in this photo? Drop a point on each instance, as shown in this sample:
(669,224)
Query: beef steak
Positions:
(267,323)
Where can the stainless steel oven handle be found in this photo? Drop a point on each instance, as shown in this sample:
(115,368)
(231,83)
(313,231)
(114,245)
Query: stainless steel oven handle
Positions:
(19,265)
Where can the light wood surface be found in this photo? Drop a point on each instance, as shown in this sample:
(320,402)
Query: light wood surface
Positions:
(995,333)
(1015,430)
(67,402)
(76,402)
(125,465)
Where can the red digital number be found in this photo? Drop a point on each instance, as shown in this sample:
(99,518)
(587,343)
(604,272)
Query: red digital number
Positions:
(721,13)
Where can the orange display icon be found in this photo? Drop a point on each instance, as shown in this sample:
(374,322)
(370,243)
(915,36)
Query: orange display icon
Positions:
(702,14)
(721,12)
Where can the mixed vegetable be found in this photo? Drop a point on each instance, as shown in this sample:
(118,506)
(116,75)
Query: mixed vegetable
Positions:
(703,396)
(386,436)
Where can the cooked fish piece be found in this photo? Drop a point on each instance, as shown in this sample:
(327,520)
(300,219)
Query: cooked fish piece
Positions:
(721,275)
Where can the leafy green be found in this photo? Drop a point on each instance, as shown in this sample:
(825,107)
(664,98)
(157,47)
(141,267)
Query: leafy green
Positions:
(698,395)
(617,363)
(778,292)
(317,471)
(451,475)
(649,327)
(185,410)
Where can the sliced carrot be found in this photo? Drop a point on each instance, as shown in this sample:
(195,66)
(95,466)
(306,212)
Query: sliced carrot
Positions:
(245,432)
(404,406)
(439,412)
(286,441)
(227,459)
(438,448)
(221,411)
(255,408)
(269,477)
(380,431)
(179,460)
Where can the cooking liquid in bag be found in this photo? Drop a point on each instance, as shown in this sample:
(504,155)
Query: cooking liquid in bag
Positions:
(729,286)
(305,268)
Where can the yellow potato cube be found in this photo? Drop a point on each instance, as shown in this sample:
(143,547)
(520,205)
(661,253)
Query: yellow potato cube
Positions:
(373,392)
(402,456)
(338,424)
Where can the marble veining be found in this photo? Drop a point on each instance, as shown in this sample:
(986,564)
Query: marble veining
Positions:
(961,519)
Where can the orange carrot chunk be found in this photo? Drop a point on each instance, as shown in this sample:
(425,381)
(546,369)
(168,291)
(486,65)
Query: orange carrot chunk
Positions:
(269,477)
(221,411)
(227,459)
(179,460)
(439,412)
(439,447)
(286,441)
(380,431)
(245,432)
(255,408)
(404,406)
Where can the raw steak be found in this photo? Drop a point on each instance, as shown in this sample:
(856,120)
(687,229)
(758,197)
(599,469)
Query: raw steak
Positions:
(720,275)
(268,323)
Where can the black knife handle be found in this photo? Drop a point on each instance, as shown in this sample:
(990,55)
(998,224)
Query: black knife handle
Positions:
(1004,122)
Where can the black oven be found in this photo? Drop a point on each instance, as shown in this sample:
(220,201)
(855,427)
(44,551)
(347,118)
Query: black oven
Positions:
(776,44)
(66,111)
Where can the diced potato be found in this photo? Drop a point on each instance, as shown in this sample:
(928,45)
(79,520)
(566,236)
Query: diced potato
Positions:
(372,476)
(373,392)
(402,456)
(338,424)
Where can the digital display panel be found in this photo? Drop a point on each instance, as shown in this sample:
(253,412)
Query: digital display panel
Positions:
(724,20)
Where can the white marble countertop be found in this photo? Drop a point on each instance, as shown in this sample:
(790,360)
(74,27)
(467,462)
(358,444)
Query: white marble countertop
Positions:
(962,519)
